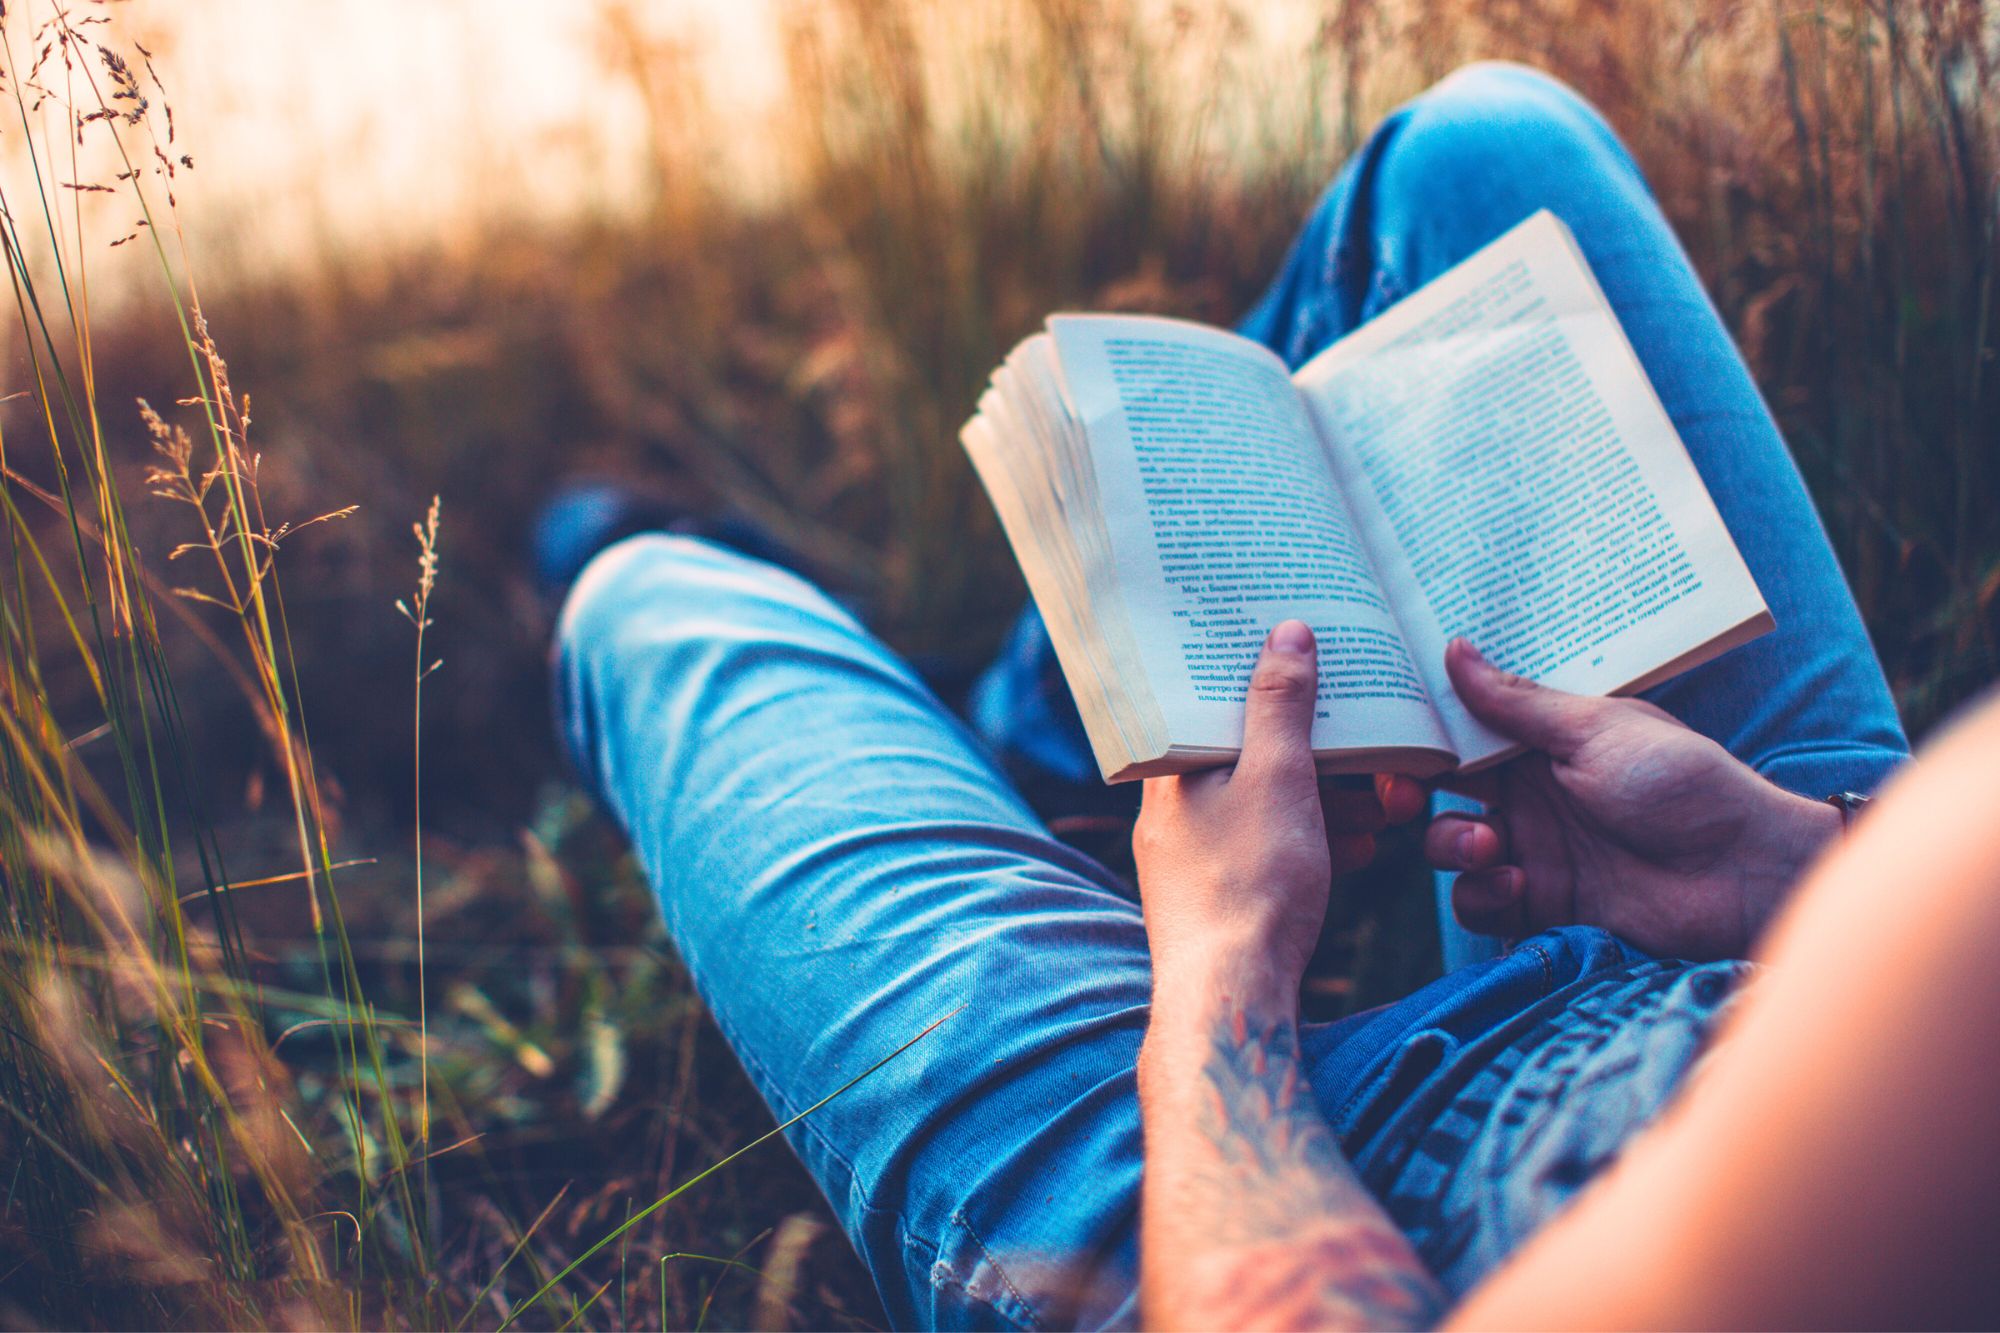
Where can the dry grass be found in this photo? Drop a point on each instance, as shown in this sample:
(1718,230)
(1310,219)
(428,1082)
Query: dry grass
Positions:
(249,1078)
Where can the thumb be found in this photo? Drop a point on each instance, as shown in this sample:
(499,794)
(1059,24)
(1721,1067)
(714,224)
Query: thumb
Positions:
(1277,721)
(1517,707)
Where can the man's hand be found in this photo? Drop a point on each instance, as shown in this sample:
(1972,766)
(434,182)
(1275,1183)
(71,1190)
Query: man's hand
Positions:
(1621,817)
(1250,1215)
(1235,864)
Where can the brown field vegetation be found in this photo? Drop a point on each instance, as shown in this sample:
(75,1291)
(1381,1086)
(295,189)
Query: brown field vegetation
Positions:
(236,1090)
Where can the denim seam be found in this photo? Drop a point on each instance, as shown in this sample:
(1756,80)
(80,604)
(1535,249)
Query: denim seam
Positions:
(1370,1087)
(1027,1307)
(958,1284)
(1548,967)
(906,1239)
(868,1205)
(761,1074)
(783,1109)
(1367,1089)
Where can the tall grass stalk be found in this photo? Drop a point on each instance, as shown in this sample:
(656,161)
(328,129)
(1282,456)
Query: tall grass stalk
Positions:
(417,612)
(172,1176)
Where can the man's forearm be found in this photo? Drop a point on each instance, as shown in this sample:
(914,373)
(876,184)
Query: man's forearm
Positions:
(1252,1217)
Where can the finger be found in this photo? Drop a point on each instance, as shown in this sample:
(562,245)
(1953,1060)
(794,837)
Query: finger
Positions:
(1491,902)
(1350,852)
(1517,707)
(1351,812)
(1461,842)
(1401,798)
(1277,720)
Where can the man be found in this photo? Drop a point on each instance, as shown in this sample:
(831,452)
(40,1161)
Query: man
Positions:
(841,865)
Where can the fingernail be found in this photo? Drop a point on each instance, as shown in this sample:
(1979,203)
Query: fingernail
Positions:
(1465,646)
(1467,841)
(1292,636)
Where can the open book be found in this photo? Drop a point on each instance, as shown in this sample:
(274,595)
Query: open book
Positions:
(1486,458)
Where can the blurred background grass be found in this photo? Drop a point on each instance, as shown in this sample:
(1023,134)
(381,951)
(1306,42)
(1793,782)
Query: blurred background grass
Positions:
(785,303)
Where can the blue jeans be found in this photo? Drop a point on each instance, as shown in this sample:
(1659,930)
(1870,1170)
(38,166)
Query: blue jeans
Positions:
(842,864)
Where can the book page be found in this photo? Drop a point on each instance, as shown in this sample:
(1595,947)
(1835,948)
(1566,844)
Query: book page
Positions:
(1518,482)
(1218,500)
(1034,461)
(1021,500)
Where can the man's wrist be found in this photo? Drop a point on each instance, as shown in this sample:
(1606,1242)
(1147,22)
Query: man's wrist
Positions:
(1194,998)
(1224,980)
(1790,838)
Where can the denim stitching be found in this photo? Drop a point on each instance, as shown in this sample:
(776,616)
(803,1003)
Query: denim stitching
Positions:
(1548,966)
(762,1076)
(937,1273)
(959,1218)
(867,1205)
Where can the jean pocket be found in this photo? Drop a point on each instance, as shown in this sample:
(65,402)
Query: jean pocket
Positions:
(1520,1138)
(1390,1091)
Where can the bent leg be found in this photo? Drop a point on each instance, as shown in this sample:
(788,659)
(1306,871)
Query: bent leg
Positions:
(841,867)
(1806,705)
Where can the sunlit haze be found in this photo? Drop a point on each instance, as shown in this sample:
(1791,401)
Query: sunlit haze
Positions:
(367,119)
(320,128)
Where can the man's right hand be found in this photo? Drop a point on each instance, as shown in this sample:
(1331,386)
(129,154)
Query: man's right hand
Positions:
(1619,816)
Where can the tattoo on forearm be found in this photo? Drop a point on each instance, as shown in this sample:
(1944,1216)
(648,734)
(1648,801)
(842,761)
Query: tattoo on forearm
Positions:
(1310,1248)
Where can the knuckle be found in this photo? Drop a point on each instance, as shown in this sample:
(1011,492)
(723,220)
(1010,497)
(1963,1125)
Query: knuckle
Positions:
(1588,716)
(1276,773)
(1641,708)
(1280,678)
